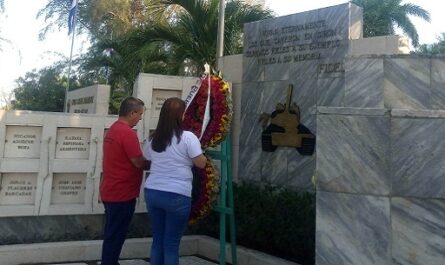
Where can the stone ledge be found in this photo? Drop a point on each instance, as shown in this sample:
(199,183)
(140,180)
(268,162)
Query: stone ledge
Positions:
(352,111)
(134,248)
(406,113)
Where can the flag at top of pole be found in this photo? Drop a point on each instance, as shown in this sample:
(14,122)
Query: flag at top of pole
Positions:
(72,16)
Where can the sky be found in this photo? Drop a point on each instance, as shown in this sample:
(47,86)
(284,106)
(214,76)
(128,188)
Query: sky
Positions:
(24,52)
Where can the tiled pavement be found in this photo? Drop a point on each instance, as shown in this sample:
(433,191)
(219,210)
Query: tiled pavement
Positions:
(188,260)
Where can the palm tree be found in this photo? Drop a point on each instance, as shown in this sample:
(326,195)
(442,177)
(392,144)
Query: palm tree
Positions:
(187,36)
(381,17)
(434,48)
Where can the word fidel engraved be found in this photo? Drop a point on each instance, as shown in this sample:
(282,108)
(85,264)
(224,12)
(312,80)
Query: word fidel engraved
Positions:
(283,128)
(73,143)
(23,141)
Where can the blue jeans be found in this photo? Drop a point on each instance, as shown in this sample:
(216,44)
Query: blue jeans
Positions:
(168,213)
(117,220)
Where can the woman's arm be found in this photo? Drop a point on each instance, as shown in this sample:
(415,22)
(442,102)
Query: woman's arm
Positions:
(199,161)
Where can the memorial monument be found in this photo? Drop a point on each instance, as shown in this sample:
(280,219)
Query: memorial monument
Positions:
(377,115)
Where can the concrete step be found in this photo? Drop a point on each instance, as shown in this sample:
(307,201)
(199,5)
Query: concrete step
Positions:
(187,260)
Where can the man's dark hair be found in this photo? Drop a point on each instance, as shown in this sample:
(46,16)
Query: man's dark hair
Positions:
(130,104)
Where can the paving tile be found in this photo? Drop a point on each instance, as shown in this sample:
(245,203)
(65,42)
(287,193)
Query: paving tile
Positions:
(67,264)
(192,260)
(134,262)
(186,260)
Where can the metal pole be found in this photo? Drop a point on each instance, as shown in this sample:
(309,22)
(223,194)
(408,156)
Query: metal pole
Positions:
(70,62)
(220,36)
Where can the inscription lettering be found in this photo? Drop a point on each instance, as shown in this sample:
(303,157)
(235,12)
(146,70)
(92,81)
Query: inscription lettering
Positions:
(81,101)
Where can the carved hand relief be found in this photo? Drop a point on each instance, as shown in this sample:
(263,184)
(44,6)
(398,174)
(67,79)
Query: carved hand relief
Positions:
(283,128)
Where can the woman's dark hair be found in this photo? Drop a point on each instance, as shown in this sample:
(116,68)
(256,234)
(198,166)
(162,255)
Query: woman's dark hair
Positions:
(130,104)
(169,124)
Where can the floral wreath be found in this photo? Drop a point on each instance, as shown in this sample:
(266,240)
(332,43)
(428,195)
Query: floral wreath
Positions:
(208,192)
(208,115)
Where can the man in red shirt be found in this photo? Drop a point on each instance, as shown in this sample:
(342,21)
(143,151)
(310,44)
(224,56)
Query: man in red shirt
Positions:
(123,163)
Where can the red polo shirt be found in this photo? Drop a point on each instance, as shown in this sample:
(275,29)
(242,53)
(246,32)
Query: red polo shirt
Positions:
(121,180)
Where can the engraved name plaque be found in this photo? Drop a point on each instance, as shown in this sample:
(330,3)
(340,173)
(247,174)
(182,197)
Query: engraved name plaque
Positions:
(23,141)
(159,97)
(18,188)
(73,143)
(68,188)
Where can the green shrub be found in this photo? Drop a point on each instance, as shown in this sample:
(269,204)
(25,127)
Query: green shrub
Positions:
(277,221)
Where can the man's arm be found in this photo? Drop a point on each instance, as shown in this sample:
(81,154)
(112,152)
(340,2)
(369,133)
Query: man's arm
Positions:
(141,162)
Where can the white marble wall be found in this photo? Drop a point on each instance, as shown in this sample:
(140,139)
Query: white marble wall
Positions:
(64,174)
(394,81)
(307,50)
(380,186)
(92,100)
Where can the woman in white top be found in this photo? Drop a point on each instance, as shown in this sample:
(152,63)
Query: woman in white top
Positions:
(168,188)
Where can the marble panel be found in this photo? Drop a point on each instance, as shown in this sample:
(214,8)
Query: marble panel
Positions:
(332,51)
(250,161)
(331,92)
(418,152)
(281,42)
(250,133)
(352,229)
(355,22)
(68,188)
(278,71)
(337,19)
(353,154)
(364,82)
(23,141)
(310,121)
(252,95)
(73,143)
(409,113)
(251,36)
(300,170)
(304,69)
(14,230)
(304,95)
(355,111)
(252,71)
(140,226)
(47,229)
(407,83)
(274,166)
(418,227)
(158,98)
(18,188)
(273,93)
(438,83)
(82,227)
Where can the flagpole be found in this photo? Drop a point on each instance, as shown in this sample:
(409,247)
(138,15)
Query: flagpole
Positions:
(70,61)
(220,36)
